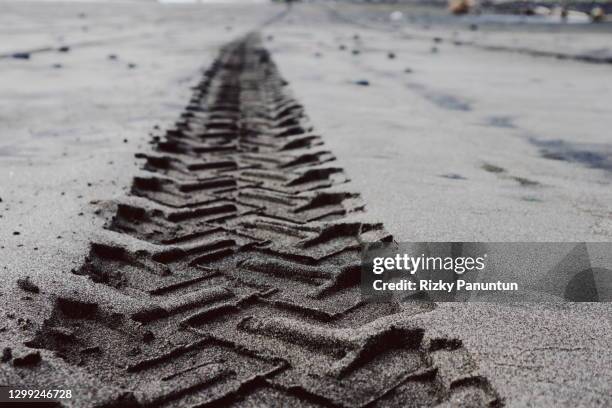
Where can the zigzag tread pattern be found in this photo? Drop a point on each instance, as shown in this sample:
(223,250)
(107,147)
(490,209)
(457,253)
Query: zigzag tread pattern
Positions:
(244,274)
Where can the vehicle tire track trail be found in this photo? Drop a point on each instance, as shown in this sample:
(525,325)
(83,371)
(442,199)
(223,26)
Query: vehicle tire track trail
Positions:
(240,262)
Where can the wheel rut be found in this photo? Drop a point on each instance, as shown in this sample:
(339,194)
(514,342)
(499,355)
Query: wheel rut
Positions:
(240,262)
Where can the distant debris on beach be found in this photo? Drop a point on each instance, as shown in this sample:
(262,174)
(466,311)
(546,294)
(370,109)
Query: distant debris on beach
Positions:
(598,14)
(458,7)
(575,11)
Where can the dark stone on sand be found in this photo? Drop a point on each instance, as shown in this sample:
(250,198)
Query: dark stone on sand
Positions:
(76,308)
(437,40)
(356,52)
(27,285)
(453,176)
(21,55)
(362,82)
(342,47)
(112,57)
(391,55)
(16,233)
(28,359)
(408,70)
(491,168)
(57,66)
(131,65)
(64,48)
(525,182)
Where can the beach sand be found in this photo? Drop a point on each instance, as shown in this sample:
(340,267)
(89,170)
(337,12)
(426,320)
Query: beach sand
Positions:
(492,139)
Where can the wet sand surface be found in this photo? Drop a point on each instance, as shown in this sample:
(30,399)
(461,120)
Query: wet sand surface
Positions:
(444,142)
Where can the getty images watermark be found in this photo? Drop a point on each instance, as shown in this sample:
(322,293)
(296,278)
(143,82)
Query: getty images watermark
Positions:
(497,272)
(413,264)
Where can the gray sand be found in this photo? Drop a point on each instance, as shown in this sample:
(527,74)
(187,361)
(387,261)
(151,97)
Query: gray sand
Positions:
(453,150)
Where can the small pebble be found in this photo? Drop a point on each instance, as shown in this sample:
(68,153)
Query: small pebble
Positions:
(21,55)
(453,176)
(27,285)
